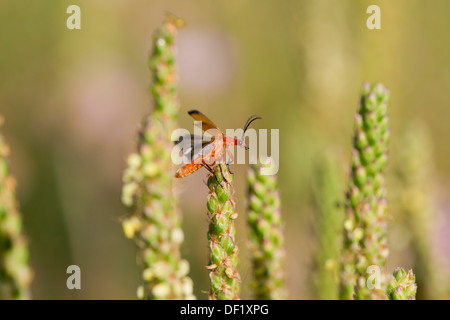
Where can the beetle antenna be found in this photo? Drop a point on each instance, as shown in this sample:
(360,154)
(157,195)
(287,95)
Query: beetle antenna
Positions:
(249,121)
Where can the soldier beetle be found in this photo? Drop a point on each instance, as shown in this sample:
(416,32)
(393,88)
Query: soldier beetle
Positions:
(212,152)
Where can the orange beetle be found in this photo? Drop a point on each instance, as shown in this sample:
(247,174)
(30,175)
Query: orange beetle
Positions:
(212,152)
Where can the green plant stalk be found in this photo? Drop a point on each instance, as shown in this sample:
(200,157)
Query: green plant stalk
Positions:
(266,235)
(365,242)
(403,285)
(15,272)
(413,176)
(224,276)
(328,219)
(155,223)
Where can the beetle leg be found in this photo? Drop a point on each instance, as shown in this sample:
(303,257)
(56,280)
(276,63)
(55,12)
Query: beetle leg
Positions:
(212,172)
(208,168)
(229,159)
(223,176)
(228,166)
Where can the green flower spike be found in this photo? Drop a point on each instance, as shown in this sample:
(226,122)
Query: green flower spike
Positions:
(224,276)
(15,272)
(266,235)
(366,207)
(148,183)
(403,285)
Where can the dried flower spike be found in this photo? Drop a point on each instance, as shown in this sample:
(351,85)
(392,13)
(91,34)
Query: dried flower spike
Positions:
(155,224)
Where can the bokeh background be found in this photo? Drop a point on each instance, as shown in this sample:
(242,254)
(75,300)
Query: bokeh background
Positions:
(73,99)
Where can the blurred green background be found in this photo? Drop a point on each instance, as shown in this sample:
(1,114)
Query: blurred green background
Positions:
(72,100)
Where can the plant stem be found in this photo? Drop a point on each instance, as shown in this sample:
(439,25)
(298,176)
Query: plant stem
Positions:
(266,235)
(148,183)
(366,207)
(329,215)
(224,276)
(15,272)
(413,178)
